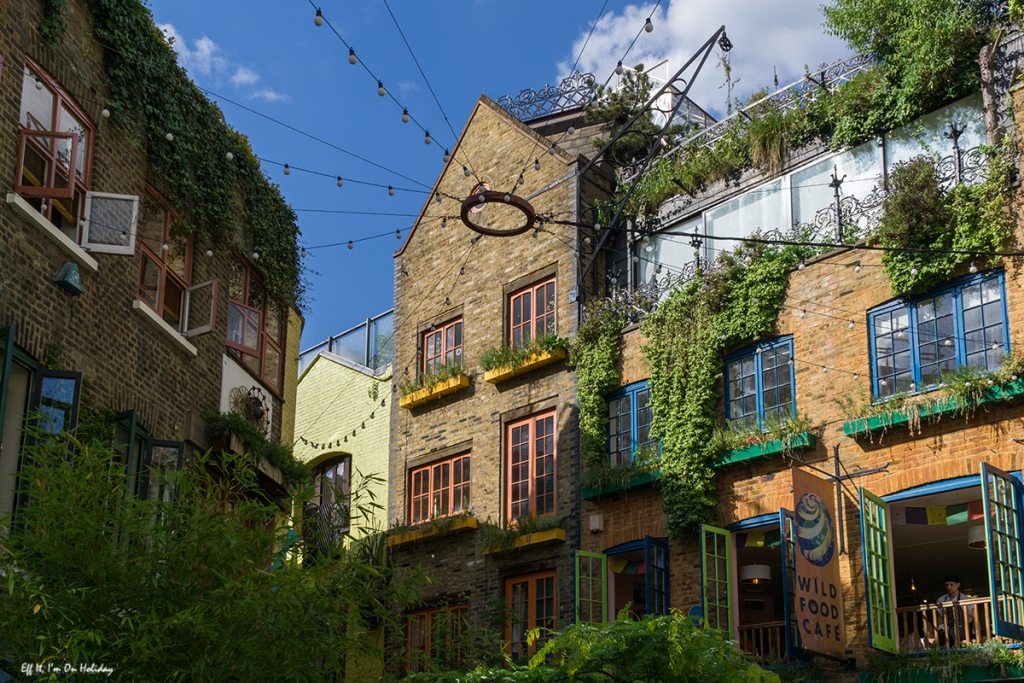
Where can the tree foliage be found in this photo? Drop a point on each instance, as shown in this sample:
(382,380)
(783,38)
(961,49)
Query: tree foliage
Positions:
(654,649)
(198,589)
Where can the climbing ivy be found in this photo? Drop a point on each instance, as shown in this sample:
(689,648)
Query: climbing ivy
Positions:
(595,354)
(225,204)
(918,213)
(735,302)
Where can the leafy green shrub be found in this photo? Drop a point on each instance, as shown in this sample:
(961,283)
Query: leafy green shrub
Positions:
(222,425)
(501,539)
(196,589)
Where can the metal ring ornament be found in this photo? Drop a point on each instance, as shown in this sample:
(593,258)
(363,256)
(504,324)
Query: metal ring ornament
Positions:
(495,197)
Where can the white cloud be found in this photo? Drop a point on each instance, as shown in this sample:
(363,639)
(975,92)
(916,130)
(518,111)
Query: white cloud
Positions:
(244,76)
(269,95)
(784,35)
(205,60)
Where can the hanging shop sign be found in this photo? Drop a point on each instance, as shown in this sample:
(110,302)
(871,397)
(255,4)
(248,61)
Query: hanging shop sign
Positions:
(819,594)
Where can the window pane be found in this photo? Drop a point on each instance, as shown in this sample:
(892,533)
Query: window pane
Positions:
(36,104)
(149,282)
(257,294)
(177,252)
(150,225)
(236,281)
(57,403)
(173,299)
(272,367)
(273,326)
(70,124)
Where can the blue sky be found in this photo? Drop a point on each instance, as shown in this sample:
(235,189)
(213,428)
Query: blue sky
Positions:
(270,57)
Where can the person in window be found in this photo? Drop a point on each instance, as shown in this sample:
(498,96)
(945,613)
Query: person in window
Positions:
(956,633)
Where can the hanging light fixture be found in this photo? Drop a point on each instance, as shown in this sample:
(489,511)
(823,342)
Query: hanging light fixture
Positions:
(465,170)
(618,69)
(437,197)
(287,169)
(340,181)
(319,18)
(974,268)
(229,156)
(380,87)
(447,156)
(391,191)
(913,586)
(572,130)
(648,26)
(976,537)
(350,245)
(105,113)
(426,138)
(352,55)
(303,252)
(398,234)
(405,116)
(536,164)
(755,574)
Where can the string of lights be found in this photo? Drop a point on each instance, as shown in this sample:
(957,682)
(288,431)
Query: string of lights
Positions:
(320,20)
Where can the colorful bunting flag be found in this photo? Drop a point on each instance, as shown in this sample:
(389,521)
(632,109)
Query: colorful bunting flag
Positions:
(937,514)
(917,515)
(956,514)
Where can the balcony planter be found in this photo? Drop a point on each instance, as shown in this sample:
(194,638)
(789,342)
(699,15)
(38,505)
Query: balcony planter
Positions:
(865,426)
(534,539)
(639,481)
(435,529)
(443,388)
(966,674)
(797,442)
(536,360)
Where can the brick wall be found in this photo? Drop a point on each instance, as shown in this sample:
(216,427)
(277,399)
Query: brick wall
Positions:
(126,362)
(426,272)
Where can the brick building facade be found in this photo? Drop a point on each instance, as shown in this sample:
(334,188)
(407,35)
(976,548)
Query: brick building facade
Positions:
(148,325)
(511,443)
(918,499)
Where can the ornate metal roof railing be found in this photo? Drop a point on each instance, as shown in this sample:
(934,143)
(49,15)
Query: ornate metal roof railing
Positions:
(795,95)
(574,92)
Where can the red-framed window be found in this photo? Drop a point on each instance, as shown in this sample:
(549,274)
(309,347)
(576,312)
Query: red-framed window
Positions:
(256,323)
(54,151)
(532,602)
(434,636)
(531,467)
(440,489)
(532,312)
(166,270)
(442,346)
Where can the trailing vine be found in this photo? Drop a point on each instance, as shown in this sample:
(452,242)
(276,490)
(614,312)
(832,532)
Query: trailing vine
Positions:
(919,214)
(595,354)
(223,203)
(735,302)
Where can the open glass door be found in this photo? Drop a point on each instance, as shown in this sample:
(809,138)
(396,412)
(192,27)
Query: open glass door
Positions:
(1002,495)
(716,577)
(656,561)
(877,552)
(591,587)
(794,647)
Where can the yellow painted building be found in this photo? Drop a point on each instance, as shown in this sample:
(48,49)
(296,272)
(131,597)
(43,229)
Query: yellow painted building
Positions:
(342,420)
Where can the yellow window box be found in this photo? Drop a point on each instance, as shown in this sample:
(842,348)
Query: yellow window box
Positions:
(536,538)
(449,386)
(537,360)
(434,529)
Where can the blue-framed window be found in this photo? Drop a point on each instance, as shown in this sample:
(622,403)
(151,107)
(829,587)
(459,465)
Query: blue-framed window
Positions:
(629,423)
(759,382)
(914,340)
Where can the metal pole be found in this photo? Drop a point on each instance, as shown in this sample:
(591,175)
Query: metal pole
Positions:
(840,517)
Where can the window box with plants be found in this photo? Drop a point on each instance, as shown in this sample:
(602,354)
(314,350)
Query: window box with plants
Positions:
(778,435)
(959,393)
(435,528)
(505,362)
(234,433)
(522,533)
(430,386)
(643,469)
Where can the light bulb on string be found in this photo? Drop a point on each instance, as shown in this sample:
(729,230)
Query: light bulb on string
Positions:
(164,246)
(973,268)
(398,234)
(405,116)
(169,137)
(105,113)
(913,271)
(522,180)
(444,222)
(856,268)
(447,156)
(586,240)
(447,301)
(209,252)
(391,191)
(801,266)
(350,245)
(536,164)
(803,313)
(507,198)
(340,181)
(380,89)
(229,156)
(319,18)
(352,55)
(824,369)
(851,324)
(437,197)
(462,271)
(465,170)
(618,69)
(551,149)
(255,256)
(572,130)
(426,138)
(287,169)
(303,252)
(39,84)
(856,377)
(648,26)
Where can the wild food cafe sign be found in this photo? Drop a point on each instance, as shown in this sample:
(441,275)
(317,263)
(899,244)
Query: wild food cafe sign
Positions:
(819,594)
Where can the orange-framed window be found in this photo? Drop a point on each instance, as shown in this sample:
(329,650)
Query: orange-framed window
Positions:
(166,270)
(442,346)
(434,636)
(440,489)
(55,138)
(531,467)
(256,323)
(532,602)
(532,312)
